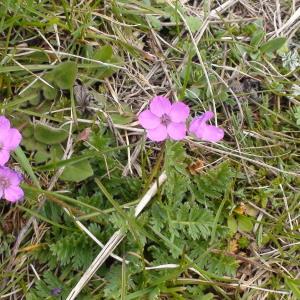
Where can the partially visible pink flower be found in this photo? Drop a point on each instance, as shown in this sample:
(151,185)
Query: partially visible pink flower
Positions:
(165,120)
(10,139)
(9,185)
(206,132)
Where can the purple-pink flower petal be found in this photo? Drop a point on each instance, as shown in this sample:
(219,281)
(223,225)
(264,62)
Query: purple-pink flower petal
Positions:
(15,178)
(148,120)
(177,131)
(4,156)
(13,194)
(210,133)
(199,121)
(206,116)
(10,139)
(165,120)
(204,131)
(4,123)
(13,139)
(179,112)
(9,185)
(158,134)
(160,105)
(194,125)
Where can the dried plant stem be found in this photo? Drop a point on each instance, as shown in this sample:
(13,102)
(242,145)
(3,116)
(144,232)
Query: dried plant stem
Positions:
(83,228)
(289,23)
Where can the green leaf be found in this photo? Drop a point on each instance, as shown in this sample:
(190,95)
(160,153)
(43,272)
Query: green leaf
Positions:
(41,156)
(232,224)
(175,166)
(31,144)
(293,285)
(297,115)
(36,100)
(103,54)
(122,119)
(214,184)
(27,132)
(243,242)
(113,288)
(23,161)
(77,172)
(73,248)
(208,296)
(49,135)
(44,287)
(273,45)
(257,37)
(82,157)
(56,153)
(244,223)
(194,23)
(155,22)
(65,74)
(107,71)
(32,95)
(192,221)
(43,218)
(49,92)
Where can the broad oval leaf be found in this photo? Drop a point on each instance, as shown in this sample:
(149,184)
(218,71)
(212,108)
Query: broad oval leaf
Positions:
(49,92)
(232,224)
(122,119)
(77,172)
(104,53)
(194,23)
(273,45)
(257,37)
(244,223)
(41,156)
(49,135)
(65,74)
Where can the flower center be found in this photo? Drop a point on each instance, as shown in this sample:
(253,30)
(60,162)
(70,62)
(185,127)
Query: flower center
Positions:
(4,183)
(165,119)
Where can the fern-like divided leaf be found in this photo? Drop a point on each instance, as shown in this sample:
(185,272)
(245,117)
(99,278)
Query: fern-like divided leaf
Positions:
(178,180)
(113,288)
(49,287)
(193,222)
(75,249)
(221,265)
(213,184)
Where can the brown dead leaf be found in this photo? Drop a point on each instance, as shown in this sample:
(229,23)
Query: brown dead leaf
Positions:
(233,246)
(196,167)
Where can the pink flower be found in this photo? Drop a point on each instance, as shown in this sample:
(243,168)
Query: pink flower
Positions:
(10,139)
(165,120)
(9,185)
(206,132)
